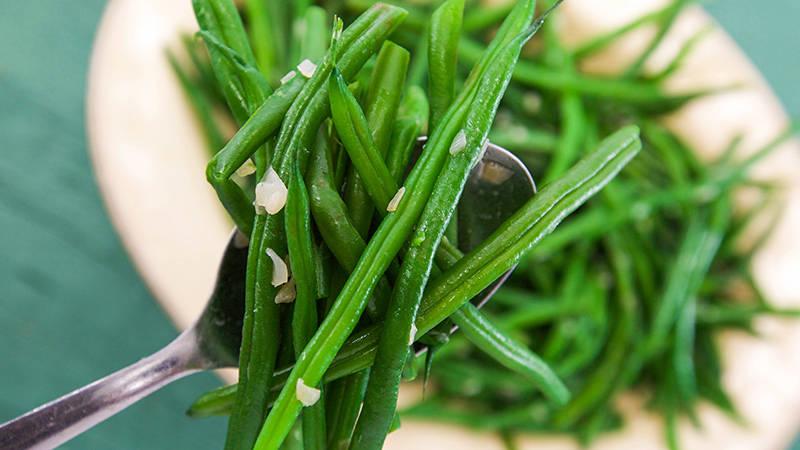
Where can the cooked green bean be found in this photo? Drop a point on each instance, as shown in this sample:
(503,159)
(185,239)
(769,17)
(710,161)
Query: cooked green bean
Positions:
(383,246)
(444,32)
(645,95)
(411,121)
(665,24)
(266,35)
(304,316)
(314,40)
(465,149)
(602,41)
(201,105)
(353,130)
(220,19)
(546,209)
(382,102)
(260,329)
(510,353)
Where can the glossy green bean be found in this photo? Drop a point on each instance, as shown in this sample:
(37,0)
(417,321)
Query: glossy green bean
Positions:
(444,33)
(201,105)
(381,105)
(644,95)
(602,41)
(411,121)
(329,210)
(700,244)
(527,228)
(266,35)
(218,402)
(344,407)
(604,380)
(384,245)
(353,130)
(299,126)
(381,396)
(221,19)
(304,317)
(513,355)
(573,123)
(665,23)
(253,134)
(315,36)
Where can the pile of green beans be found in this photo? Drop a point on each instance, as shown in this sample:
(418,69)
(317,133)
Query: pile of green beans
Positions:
(628,293)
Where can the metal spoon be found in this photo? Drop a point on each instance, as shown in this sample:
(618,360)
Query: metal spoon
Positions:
(498,186)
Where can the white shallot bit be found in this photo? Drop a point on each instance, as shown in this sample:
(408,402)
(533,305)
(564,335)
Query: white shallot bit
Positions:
(395,201)
(459,142)
(280,271)
(307,68)
(288,77)
(413,335)
(306,394)
(287,292)
(271,193)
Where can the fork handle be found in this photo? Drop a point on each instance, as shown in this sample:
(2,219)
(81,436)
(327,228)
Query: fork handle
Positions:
(60,420)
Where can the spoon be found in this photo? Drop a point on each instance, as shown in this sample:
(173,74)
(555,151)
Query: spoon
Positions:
(498,186)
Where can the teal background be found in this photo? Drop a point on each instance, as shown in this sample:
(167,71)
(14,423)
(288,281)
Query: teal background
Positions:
(72,308)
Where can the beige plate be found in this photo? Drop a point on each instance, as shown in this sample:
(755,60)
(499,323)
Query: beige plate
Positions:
(149,161)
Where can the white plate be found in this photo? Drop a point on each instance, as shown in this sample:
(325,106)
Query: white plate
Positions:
(149,161)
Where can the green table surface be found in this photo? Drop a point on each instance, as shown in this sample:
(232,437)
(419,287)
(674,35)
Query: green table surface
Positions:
(72,308)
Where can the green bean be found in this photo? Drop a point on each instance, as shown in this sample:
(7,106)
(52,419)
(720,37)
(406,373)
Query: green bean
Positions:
(483,17)
(252,84)
(246,414)
(411,120)
(682,356)
(344,407)
(220,19)
(314,40)
(602,41)
(300,124)
(686,49)
(443,35)
(699,246)
(384,245)
(383,94)
(330,212)
(527,228)
(201,105)
(266,34)
(334,223)
(573,122)
(217,402)
(644,95)
(520,139)
(382,102)
(304,316)
(510,353)
(665,24)
(444,32)
(381,396)
(604,380)
(255,131)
